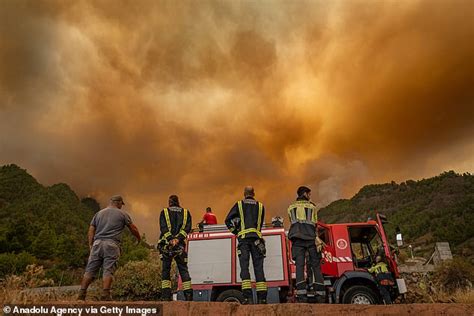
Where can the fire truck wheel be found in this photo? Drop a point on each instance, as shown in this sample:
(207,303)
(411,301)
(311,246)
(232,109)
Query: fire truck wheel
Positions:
(359,294)
(231,296)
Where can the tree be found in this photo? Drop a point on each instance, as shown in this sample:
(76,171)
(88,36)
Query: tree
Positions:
(44,245)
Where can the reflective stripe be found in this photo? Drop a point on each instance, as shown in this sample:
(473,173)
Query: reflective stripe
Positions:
(185,220)
(167,216)
(303,212)
(242,220)
(165,284)
(293,216)
(168,224)
(249,230)
(261,286)
(303,222)
(187,285)
(301,292)
(309,214)
(241,211)
(244,231)
(259,224)
(246,284)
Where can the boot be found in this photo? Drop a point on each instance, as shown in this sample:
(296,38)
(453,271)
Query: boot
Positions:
(248,297)
(188,295)
(262,297)
(319,299)
(302,299)
(82,295)
(320,294)
(166,294)
(106,295)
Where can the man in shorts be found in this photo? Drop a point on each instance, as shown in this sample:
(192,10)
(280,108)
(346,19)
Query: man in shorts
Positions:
(105,235)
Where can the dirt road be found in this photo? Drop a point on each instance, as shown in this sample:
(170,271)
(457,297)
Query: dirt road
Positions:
(207,308)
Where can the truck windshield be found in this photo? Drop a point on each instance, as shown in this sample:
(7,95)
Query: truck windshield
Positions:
(365,244)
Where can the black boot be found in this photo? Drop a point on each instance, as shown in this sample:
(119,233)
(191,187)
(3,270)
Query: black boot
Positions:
(262,297)
(248,297)
(188,295)
(302,299)
(320,294)
(166,294)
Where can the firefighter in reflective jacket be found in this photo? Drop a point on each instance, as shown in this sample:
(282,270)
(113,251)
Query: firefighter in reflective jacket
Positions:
(303,218)
(245,220)
(175,225)
(383,277)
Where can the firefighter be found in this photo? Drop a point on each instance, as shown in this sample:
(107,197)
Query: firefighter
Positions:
(245,220)
(175,225)
(303,218)
(383,277)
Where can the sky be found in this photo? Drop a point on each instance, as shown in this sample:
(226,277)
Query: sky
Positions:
(201,98)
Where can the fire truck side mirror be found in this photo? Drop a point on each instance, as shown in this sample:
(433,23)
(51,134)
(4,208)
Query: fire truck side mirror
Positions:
(399,239)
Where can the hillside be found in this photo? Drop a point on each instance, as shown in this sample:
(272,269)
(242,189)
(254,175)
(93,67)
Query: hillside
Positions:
(44,225)
(429,210)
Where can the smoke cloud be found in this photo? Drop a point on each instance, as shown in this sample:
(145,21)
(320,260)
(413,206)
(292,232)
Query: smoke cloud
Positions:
(200,98)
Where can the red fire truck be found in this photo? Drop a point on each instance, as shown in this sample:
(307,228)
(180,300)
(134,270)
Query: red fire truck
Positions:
(349,250)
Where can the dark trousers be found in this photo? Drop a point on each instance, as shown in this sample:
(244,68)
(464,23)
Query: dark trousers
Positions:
(246,249)
(299,250)
(384,289)
(182,263)
(385,294)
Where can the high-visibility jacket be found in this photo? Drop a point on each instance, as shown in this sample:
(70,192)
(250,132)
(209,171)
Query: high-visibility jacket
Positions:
(303,216)
(251,214)
(175,222)
(380,267)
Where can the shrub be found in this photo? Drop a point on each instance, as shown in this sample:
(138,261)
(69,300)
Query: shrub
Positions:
(139,280)
(453,275)
(11,263)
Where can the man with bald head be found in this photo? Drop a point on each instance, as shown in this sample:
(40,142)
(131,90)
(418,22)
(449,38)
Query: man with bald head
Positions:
(105,235)
(245,220)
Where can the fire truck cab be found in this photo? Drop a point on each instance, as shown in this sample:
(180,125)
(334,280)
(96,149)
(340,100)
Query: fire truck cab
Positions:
(349,250)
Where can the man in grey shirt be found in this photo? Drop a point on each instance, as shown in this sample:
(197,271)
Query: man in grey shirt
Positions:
(105,235)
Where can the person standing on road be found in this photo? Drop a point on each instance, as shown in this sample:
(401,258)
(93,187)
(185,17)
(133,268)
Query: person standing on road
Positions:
(303,218)
(245,220)
(105,234)
(175,225)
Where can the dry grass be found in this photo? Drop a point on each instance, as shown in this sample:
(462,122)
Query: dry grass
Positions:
(465,297)
(16,289)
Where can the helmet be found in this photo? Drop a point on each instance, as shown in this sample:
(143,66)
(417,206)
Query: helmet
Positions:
(302,190)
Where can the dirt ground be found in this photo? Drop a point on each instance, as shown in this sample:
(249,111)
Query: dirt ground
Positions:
(214,308)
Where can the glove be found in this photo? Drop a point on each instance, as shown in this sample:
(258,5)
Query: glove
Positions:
(162,247)
(319,244)
(260,243)
(235,225)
